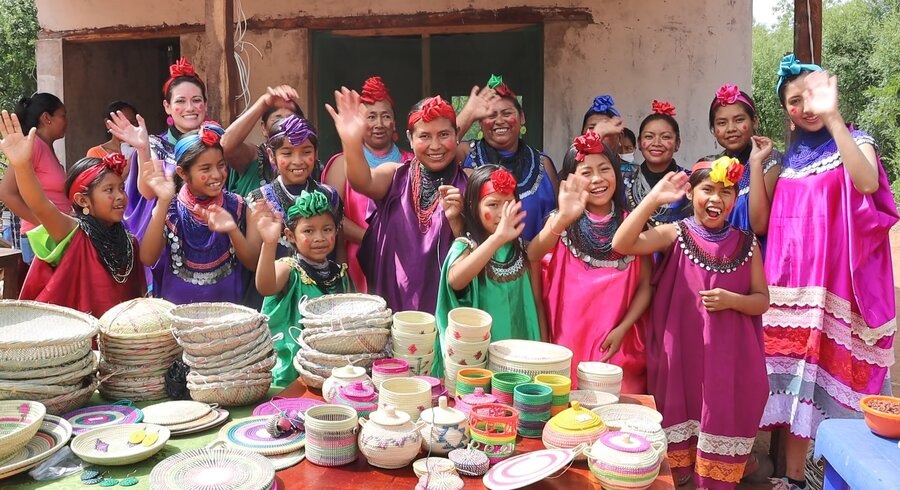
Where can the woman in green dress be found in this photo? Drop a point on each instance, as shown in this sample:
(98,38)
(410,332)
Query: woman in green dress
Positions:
(487,268)
(312,230)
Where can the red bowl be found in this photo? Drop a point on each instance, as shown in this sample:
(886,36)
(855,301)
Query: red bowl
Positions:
(883,424)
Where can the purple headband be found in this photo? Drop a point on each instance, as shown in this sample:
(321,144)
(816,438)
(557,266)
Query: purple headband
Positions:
(295,129)
(729,94)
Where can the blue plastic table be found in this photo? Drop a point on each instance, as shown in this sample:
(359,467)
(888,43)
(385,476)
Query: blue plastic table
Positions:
(856,458)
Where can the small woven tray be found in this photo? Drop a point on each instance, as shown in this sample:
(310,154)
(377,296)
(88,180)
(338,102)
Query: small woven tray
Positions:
(343,306)
(89,418)
(250,433)
(109,446)
(175,412)
(232,468)
(29,324)
(215,418)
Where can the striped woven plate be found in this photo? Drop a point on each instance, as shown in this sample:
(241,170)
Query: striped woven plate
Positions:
(175,412)
(102,415)
(251,434)
(223,468)
(53,434)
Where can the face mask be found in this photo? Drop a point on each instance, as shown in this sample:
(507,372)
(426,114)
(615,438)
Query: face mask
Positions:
(627,157)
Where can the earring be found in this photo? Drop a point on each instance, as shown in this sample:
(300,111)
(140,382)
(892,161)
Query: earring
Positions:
(522,130)
(395,137)
(85,211)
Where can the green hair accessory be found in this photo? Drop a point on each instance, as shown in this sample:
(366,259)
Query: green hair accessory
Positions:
(309,204)
(495,81)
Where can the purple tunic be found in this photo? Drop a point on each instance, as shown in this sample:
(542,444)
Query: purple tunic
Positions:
(401,261)
(706,370)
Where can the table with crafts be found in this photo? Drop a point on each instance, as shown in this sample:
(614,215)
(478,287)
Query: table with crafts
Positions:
(358,474)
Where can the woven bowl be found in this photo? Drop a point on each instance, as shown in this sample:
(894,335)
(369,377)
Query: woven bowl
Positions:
(29,324)
(19,422)
(231,393)
(46,372)
(358,341)
(411,348)
(241,375)
(262,342)
(466,353)
(137,319)
(25,359)
(194,315)
(615,415)
(410,395)
(469,324)
(78,398)
(309,354)
(109,446)
(224,345)
(311,380)
(343,306)
(414,322)
(418,366)
(327,324)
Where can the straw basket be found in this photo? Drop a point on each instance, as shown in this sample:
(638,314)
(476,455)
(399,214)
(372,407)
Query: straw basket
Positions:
(616,414)
(309,354)
(37,335)
(67,402)
(331,435)
(493,428)
(231,393)
(208,322)
(530,357)
(312,380)
(343,306)
(410,395)
(261,344)
(19,422)
(137,319)
(356,341)
(469,324)
(414,322)
(385,369)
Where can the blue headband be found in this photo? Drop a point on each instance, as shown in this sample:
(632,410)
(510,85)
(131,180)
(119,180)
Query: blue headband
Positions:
(790,67)
(209,133)
(603,104)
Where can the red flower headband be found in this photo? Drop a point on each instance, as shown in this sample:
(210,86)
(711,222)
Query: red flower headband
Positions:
(208,136)
(725,170)
(432,109)
(501,182)
(113,161)
(374,91)
(729,94)
(181,68)
(663,108)
(588,144)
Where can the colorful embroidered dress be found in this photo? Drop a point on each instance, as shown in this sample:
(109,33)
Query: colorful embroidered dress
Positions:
(405,245)
(638,185)
(740,213)
(72,274)
(706,370)
(535,188)
(830,328)
(582,273)
(281,197)
(199,265)
(358,208)
(258,173)
(503,290)
(306,280)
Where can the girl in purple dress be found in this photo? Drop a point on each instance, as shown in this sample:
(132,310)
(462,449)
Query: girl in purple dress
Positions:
(705,357)
(199,240)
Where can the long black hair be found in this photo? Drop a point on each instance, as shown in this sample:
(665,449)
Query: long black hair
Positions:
(570,165)
(472,199)
(30,109)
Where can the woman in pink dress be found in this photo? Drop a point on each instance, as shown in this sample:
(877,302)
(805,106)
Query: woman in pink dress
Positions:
(705,356)
(378,147)
(583,273)
(830,328)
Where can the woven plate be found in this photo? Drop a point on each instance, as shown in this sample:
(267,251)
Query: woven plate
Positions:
(616,414)
(286,460)
(528,468)
(109,446)
(342,305)
(19,422)
(251,434)
(219,417)
(222,468)
(52,435)
(175,412)
(30,374)
(291,406)
(28,324)
(85,419)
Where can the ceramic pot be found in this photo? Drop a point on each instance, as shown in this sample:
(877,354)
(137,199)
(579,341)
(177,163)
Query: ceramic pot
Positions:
(389,439)
(340,377)
(445,428)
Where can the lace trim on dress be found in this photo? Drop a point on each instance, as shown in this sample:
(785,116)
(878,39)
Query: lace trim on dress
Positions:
(826,163)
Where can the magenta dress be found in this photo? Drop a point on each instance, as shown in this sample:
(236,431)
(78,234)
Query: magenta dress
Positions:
(579,277)
(830,329)
(402,259)
(706,370)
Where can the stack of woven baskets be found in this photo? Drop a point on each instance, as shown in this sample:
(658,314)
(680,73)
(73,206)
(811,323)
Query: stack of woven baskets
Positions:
(465,343)
(136,350)
(229,350)
(341,329)
(45,355)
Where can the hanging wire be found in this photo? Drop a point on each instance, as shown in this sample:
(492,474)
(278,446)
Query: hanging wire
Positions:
(242,56)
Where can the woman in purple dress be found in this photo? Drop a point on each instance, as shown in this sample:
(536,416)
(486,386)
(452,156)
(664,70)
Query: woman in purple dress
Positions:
(705,332)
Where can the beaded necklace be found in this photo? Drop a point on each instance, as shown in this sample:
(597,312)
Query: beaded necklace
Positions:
(325,275)
(686,229)
(212,255)
(425,184)
(114,245)
(525,164)
(506,271)
(637,187)
(590,240)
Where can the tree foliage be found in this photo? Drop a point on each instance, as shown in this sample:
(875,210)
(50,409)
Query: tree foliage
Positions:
(18,34)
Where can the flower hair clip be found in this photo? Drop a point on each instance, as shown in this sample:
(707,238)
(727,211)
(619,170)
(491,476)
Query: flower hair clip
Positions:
(501,182)
(500,87)
(665,108)
(181,68)
(724,170)
(589,143)
(309,204)
(374,90)
(602,104)
(295,129)
(115,162)
(730,94)
(210,133)
(433,108)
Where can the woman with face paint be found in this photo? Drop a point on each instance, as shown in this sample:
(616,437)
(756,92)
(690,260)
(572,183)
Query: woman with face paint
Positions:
(830,327)
(379,146)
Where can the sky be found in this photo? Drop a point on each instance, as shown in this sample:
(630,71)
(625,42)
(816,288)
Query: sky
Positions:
(764,11)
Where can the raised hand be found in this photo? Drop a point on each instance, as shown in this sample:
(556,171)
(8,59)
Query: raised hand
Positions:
(451,201)
(267,221)
(216,218)
(479,105)
(511,222)
(609,126)
(671,188)
(120,127)
(163,185)
(573,196)
(821,95)
(16,146)
(281,96)
(350,116)
(762,148)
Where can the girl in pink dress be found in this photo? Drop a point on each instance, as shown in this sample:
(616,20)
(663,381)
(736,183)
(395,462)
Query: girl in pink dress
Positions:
(583,273)
(705,357)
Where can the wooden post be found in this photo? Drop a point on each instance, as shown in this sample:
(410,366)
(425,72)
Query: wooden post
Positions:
(221,75)
(808,27)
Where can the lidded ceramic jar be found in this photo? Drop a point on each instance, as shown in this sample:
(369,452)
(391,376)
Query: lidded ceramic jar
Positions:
(620,460)
(445,429)
(389,439)
(340,377)
(360,396)
(465,403)
(571,427)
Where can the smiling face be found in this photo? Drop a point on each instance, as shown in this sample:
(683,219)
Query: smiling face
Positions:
(712,202)
(733,127)
(490,210)
(294,162)
(106,199)
(314,237)
(186,106)
(501,129)
(796,109)
(659,142)
(380,126)
(601,177)
(207,174)
(434,143)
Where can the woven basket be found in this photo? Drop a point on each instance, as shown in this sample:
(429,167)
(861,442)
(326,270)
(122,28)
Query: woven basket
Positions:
(311,380)
(29,324)
(138,318)
(358,341)
(19,422)
(138,396)
(244,363)
(231,393)
(309,354)
(329,323)
(41,357)
(261,343)
(118,451)
(615,415)
(343,306)
(65,403)
(313,368)
(331,435)
(108,371)
(241,375)
(164,340)
(529,357)
(410,395)
(221,346)
(28,391)
(194,315)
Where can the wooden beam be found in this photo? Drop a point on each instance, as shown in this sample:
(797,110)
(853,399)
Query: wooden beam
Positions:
(808,31)
(122,33)
(221,76)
